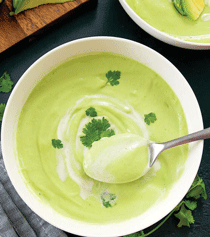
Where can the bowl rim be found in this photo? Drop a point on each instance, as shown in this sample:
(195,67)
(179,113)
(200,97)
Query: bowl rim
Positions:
(160,35)
(78,227)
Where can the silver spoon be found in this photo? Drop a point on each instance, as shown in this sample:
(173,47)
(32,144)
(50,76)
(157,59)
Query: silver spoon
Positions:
(156,148)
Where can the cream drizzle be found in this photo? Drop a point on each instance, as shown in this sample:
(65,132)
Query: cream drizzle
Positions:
(115,111)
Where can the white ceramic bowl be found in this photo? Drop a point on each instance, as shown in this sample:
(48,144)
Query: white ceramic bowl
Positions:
(135,51)
(159,34)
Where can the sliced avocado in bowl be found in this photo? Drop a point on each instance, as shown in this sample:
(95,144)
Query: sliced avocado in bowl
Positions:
(189,8)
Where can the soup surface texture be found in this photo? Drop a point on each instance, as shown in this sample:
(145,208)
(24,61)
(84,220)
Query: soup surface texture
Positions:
(162,15)
(56,109)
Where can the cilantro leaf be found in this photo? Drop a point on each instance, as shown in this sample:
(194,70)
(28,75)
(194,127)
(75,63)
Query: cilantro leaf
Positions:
(57,143)
(113,77)
(108,133)
(95,130)
(185,216)
(150,118)
(108,199)
(2,107)
(197,189)
(106,203)
(91,112)
(190,204)
(5,83)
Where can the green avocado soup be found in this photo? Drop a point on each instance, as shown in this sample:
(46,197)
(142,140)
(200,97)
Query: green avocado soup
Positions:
(162,15)
(55,109)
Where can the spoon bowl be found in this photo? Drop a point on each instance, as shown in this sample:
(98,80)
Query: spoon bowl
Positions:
(116,159)
(126,157)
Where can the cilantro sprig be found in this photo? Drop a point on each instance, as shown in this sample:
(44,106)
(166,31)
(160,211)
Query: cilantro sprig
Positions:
(150,118)
(108,199)
(5,83)
(183,211)
(197,189)
(91,112)
(57,143)
(95,130)
(5,87)
(113,77)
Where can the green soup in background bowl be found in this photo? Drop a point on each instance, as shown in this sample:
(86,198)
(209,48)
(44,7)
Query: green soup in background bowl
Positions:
(160,19)
(50,102)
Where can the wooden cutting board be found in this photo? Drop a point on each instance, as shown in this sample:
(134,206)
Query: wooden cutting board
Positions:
(14,29)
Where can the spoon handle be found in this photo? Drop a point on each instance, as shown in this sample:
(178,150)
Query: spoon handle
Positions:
(200,135)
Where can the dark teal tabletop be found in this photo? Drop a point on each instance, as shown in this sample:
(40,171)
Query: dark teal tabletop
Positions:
(108,18)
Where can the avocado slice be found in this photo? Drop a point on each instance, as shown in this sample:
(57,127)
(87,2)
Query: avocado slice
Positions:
(21,5)
(15,2)
(189,8)
(178,5)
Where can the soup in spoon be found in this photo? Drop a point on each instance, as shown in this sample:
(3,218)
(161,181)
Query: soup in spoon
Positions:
(118,159)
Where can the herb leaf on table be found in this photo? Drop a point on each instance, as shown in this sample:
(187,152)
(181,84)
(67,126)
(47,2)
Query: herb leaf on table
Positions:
(185,216)
(5,83)
(197,189)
